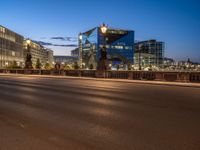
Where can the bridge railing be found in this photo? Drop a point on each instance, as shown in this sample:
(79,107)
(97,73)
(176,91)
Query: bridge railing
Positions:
(131,75)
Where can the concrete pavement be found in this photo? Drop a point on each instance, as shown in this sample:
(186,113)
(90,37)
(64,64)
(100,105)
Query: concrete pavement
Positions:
(46,113)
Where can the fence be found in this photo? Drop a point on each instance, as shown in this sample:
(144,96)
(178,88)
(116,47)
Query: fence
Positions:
(131,75)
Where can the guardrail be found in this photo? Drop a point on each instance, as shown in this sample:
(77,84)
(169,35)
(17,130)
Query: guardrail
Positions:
(131,75)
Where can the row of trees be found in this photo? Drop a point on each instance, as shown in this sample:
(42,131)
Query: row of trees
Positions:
(46,66)
(38,65)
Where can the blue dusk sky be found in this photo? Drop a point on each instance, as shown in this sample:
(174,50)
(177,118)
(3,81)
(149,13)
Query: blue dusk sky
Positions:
(175,22)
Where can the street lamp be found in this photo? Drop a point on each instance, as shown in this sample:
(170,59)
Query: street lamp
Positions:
(1,43)
(80,50)
(28,42)
(103,59)
(104,28)
(80,37)
(28,63)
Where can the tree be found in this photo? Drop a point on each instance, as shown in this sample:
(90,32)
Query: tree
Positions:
(91,67)
(76,66)
(129,66)
(28,62)
(117,67)
(47,66)
(38,64)
(67,67)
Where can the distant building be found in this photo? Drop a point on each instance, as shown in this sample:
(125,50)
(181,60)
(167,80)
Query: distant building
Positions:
(187,63)
(75,52)
(11,48)
(65,59)
(168,62)
(50,58)
(37,51)
(149,53)
(119,46)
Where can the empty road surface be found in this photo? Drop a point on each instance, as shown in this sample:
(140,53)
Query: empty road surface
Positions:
(75,114)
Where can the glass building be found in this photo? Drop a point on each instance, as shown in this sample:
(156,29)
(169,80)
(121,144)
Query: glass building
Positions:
(119,46)
(149,53)
(11,48)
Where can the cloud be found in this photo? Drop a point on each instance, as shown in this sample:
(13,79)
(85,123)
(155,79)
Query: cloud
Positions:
(58,38)
(69,39)
(52,44)
(43,43)
(67,45)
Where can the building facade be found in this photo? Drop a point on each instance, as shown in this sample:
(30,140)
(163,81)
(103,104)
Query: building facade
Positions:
(119,47)
(168,62)
(37,51)
(11,48)
(65,59)
(149,53)
(50,58)
(75,52)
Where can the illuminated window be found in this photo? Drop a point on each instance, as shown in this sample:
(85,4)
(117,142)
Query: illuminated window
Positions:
(13,53)
(119,47)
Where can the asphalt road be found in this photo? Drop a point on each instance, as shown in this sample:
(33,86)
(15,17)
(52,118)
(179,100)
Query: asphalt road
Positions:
(76,114)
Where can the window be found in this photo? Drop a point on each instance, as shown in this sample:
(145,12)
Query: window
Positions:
(13,53)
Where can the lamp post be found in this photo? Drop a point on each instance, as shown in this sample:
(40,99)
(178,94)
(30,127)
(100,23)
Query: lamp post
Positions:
(28,63)
(103,58)
(1,43)
(80,51)
(104,28)
(2,30)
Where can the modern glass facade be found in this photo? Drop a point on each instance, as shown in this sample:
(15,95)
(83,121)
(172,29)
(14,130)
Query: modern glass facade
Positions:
(149,53)
(11,48)
(119,46)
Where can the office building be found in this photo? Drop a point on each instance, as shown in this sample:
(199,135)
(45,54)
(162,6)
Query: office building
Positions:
(11,48)
(50,58)
(168,62)
(149,53)
(37,51)
(119,47)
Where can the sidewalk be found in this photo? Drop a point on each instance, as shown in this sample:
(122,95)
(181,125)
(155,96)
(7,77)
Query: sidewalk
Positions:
(194,85)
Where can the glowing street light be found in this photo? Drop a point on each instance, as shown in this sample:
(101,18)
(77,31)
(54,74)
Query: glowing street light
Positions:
(28,62)
(80,36)
(28,42)
(104,28)
(102,65)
